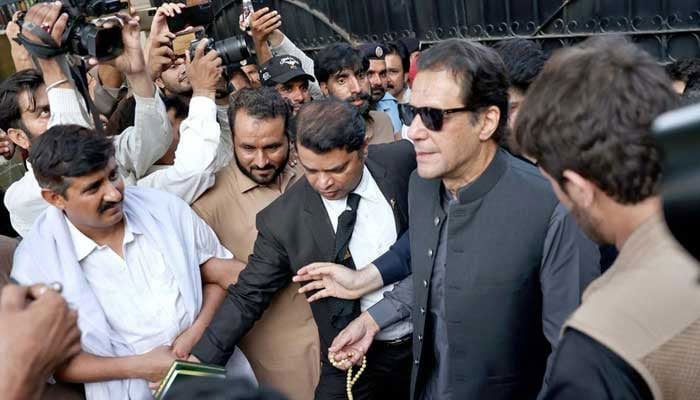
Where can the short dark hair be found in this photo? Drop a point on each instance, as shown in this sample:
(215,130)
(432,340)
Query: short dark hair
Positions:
(10,113)
(397,48)
(68,151)
(480,71)
(680,70)
(175,102)
(336,57)
(524,59)
(262,103)
(590,111)
(330,124)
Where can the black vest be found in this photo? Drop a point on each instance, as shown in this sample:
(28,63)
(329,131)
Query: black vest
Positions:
(492,294)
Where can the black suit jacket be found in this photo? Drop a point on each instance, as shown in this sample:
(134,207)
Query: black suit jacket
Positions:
(293,231)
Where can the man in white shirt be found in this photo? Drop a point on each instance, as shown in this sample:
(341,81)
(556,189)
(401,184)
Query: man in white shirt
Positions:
(34,106)
(131,261)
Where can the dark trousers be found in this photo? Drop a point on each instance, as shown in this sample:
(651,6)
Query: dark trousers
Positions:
(387,376)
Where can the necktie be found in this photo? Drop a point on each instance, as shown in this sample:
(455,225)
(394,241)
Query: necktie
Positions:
(344,311)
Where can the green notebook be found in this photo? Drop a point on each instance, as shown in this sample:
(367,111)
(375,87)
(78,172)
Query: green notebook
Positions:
(182,370)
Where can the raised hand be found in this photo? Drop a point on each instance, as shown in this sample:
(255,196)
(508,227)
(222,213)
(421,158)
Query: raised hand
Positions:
(159,25)
(263,22)
(204,71)
(161,54)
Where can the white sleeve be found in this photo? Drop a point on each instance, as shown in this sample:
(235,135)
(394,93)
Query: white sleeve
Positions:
(67,108)
(193,171)
(24,203)
(224,154)
(288,47)
(141,145)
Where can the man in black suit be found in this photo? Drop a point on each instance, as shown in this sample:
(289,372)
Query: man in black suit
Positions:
(349,208)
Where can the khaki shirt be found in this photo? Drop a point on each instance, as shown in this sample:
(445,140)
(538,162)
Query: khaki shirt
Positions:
(283,347)
(380,130)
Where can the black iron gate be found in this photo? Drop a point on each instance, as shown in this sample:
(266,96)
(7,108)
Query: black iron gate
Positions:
(669,29)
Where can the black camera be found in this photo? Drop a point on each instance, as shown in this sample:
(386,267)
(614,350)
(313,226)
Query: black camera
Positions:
(84,38)
(232,50)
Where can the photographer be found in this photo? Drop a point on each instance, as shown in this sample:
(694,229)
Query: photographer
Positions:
(187,169)
(32,103)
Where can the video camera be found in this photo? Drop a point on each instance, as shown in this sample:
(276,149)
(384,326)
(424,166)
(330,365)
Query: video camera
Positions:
(82,37)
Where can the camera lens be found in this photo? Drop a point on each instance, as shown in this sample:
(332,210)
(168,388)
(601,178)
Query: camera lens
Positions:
(88,40)
(232,50)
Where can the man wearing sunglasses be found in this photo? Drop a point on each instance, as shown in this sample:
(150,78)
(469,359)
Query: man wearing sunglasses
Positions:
(497,263)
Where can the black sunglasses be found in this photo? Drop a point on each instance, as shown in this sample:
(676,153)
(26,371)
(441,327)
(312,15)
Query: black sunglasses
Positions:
(432,117)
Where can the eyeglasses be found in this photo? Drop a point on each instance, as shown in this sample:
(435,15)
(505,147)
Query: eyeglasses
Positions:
(432,117)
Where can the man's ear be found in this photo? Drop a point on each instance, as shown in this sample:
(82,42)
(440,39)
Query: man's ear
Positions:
(19,138)
(580,190)
(488,121)
(364,150)
(324,88)
(53,198)
(159,82)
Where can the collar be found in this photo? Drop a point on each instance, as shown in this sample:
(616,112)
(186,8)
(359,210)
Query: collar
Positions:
(486,181)
(388,97)
(83,245)
(245,184)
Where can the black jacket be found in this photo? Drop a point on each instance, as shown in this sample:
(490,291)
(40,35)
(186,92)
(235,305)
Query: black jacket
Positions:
(294,231)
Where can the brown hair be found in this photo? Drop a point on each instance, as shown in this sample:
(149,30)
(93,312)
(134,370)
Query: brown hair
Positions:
(590,111)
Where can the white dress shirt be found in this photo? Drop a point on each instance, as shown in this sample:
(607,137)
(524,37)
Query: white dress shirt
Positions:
(373,235)
(193,171)
(136,149)
(139,293)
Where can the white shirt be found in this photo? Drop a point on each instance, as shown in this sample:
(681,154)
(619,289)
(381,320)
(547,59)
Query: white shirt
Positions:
(136,149)
(193,171)
(139,293)
(373,235)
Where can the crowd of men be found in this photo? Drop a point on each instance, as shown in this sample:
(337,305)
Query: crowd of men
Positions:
(458,222)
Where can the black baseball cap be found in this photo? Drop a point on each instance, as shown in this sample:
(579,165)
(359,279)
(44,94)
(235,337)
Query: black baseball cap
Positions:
(372,51)
(282,69)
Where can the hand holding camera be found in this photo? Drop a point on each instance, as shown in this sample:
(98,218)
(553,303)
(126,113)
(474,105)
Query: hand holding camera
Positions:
(131,61)
(263,22)
(204,70)
(161,53)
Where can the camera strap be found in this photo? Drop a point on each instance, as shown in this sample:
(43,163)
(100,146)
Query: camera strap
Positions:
(49,49)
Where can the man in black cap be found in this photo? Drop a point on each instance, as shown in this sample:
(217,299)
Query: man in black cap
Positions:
(285,73)
(380,99)
(412,46)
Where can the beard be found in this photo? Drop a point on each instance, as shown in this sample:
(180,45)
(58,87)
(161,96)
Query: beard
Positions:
(260,180)
(588,224)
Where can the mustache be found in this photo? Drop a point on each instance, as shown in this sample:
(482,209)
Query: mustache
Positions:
(263,168)
(107,205)
(360,96)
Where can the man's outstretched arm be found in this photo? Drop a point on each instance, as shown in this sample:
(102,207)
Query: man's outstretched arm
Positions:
(334,280)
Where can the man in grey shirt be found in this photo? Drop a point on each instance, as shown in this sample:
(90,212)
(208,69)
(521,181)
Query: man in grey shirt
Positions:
(497,263)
